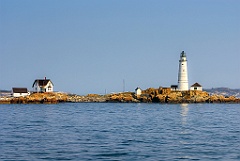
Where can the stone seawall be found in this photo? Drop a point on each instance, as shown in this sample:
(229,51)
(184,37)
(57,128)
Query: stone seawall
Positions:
(150,95)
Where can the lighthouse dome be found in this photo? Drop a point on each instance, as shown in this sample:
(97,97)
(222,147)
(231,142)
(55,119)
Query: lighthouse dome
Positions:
(183,54)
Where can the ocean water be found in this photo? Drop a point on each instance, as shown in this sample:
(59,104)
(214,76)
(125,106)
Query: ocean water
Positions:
(115,131)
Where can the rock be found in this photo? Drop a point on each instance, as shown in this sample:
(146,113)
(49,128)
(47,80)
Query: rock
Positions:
(164,91)
(122,97)
(160,98)
(161,95)
(175,97)
(145,98)
(50,97)
(89,98)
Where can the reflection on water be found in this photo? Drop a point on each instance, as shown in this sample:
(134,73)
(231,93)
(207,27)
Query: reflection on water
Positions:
(184,113)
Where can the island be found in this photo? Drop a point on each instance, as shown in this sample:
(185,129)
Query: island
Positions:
(150,95)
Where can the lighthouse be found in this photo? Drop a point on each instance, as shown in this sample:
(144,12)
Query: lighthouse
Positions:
(183,73)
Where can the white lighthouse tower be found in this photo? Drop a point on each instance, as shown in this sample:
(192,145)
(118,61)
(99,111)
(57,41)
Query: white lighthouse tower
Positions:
(183,73)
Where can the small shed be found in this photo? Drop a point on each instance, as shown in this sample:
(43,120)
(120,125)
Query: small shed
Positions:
(196,87)
(138,91)
(174,87)
(20,92)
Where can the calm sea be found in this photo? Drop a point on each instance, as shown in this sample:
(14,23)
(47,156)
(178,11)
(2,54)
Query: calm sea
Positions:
(114,131)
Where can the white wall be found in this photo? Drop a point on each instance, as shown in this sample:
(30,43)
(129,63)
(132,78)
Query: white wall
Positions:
(49,87)
(20,94)
(183,75)
(196,88)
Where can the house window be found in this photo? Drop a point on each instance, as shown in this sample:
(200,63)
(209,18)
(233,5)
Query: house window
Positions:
(195,88)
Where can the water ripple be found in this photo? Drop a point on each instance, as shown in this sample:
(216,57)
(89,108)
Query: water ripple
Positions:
(94,131)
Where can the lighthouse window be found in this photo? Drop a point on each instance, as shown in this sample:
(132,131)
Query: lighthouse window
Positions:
(182,64)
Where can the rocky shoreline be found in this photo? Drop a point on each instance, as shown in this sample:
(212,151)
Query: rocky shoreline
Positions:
(149,95)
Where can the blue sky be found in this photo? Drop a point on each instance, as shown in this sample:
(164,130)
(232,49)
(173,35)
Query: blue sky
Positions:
(89,46)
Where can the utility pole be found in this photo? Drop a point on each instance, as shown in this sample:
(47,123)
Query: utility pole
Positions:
(105,91)
(123,85)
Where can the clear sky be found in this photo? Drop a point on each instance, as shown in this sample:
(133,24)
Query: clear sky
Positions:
(89,46)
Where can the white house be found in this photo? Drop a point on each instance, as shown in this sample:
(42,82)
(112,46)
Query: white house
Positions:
(196,87)
(43,85)
(138,91)
(20,92)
